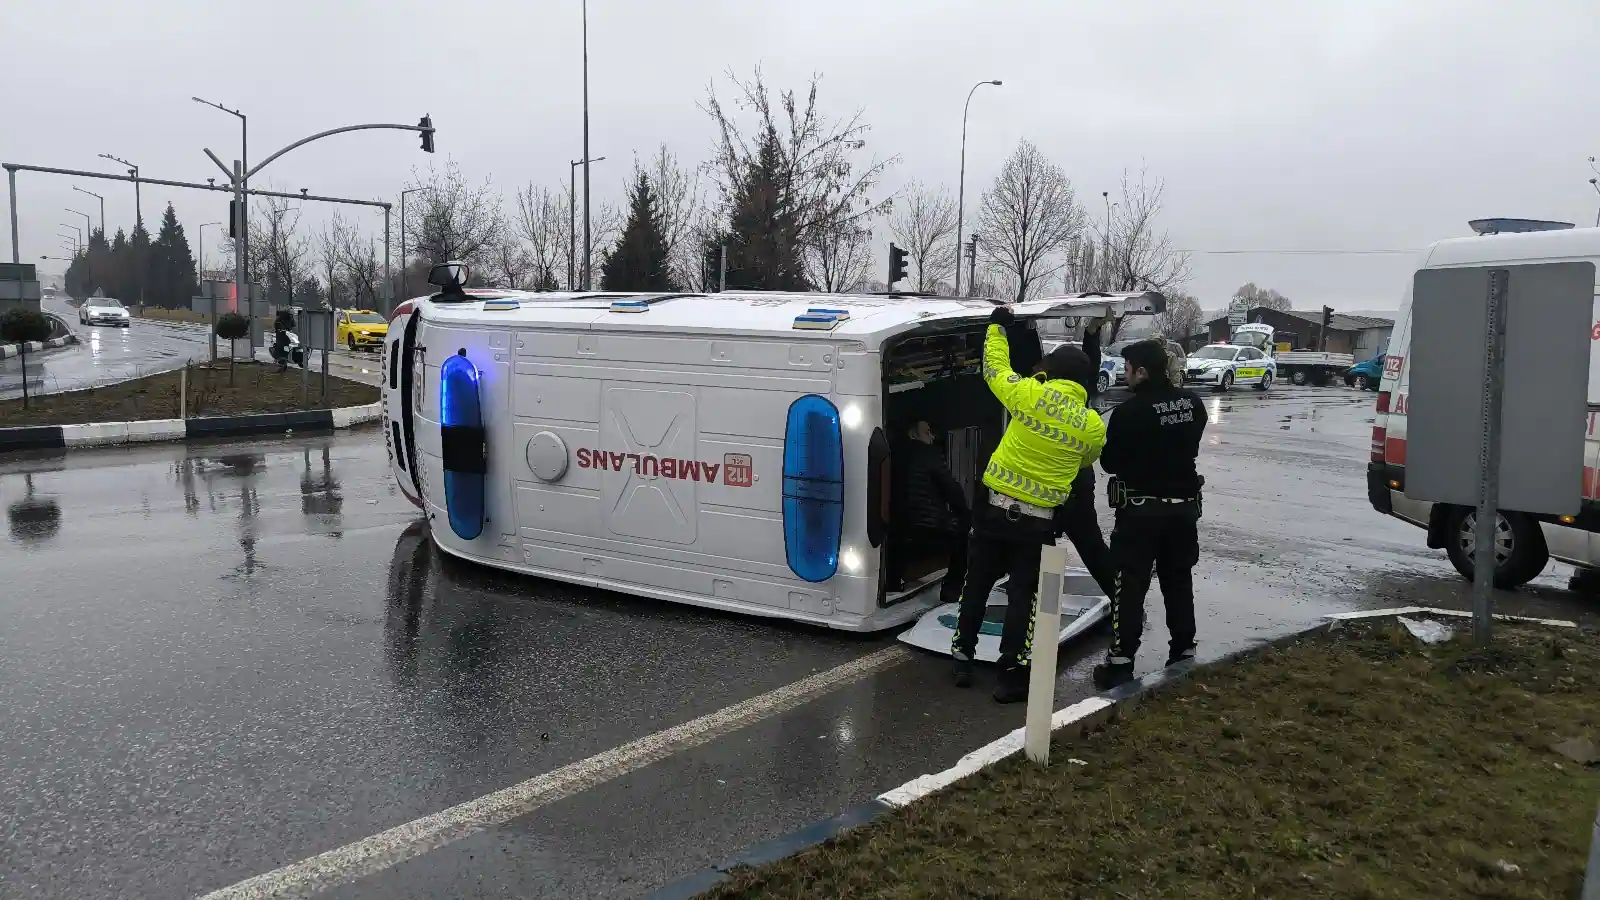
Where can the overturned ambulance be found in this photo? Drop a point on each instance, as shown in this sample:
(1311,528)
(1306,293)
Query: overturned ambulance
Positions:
(727,450)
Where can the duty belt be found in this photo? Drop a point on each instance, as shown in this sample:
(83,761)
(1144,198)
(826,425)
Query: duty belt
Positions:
(1014,507)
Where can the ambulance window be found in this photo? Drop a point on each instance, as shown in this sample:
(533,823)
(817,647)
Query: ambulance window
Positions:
(813,488)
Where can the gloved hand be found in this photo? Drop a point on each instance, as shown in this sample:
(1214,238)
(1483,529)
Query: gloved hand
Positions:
(1002,316)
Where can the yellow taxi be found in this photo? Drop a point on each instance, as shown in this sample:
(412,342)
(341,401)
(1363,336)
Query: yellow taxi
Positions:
(359,328)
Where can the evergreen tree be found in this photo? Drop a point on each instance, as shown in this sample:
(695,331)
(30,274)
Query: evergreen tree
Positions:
(116,278)
(172,280)
(764,246)
(638,262)
(138,268)
(547,283)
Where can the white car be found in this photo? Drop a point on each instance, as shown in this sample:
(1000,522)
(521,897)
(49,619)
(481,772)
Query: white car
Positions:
(1222,366)
(103,311)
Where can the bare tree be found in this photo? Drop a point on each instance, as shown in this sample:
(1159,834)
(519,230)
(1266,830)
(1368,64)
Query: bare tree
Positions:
(680,201)
(276,253)
(453,219)
(543,221)
(328,260)
(923,221)
(1138,255)
(1181,318)
(1257,296)
(509,265)
(823,188)
(840,258)
(1027,220)
(356,257)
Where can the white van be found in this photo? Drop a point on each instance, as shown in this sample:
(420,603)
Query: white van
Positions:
(725,450)
(1524,542)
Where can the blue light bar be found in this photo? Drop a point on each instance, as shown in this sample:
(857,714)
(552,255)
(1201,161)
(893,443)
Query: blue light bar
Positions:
(816,322)
(500,303)
(813,488)
(462,445)
(840,314)
(629,306)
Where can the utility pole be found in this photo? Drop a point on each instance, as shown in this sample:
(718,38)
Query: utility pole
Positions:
(405,292)
(244,153)
(972,264)
(961,190)
(722,270)
(586,244)
(572,219)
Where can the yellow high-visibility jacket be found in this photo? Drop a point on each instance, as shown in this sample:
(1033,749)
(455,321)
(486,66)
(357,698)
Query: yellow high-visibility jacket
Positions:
(1052,433)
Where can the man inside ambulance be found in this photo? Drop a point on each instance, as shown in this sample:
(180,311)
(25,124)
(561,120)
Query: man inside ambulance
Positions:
(1052,434)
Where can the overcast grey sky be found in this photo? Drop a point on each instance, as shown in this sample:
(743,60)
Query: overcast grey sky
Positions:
(1314,125)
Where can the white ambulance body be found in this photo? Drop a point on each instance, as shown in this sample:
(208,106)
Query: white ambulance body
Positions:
(1525,542)
(725,450)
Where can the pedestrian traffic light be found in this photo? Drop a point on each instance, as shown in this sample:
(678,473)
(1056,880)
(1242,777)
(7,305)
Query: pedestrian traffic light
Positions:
(426,124)
(897,265)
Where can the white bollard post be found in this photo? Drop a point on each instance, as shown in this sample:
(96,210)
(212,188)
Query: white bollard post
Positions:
(1042,671)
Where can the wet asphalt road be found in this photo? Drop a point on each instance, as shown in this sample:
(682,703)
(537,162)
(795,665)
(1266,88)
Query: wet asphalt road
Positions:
(218,660)
(146,347)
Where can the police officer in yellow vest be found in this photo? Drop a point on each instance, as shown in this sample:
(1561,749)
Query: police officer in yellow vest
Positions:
(1052,434)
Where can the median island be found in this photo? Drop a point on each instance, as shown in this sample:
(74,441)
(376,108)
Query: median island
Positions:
(250,388)
(1356,763)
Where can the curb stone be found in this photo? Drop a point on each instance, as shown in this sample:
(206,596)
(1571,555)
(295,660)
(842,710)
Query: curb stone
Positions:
(101,434)
(9,350)
(1080,717)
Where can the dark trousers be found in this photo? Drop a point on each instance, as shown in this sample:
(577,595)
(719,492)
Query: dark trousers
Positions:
(1168,540)
(1077,520)
(1000,546)
(919,540)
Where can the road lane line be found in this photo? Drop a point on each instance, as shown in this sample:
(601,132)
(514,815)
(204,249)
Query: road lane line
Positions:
(390,848)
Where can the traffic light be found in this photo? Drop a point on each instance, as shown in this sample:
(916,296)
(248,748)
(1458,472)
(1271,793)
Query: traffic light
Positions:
(426,124)
(233,218)
(897,265)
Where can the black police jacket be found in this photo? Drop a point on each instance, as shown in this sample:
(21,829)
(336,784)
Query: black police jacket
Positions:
(1153,440)
(933,498)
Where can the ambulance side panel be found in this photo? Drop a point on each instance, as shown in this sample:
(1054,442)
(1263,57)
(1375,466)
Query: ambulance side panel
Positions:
(660,461)
(1571,545)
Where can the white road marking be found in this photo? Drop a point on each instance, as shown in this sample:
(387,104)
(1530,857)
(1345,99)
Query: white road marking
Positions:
(390,848)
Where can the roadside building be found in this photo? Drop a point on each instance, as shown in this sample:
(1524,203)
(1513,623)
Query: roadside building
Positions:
(1301,329)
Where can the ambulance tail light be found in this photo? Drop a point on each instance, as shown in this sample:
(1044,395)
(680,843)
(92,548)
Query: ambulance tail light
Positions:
(1380,431)
(813,488)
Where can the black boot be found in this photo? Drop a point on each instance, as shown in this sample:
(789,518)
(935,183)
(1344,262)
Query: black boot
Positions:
(1114,672)
(1179,656)
(1013,686)
(962,670)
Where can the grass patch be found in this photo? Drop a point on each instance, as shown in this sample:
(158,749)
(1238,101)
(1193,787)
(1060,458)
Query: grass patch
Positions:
(1358,764)
(253,388)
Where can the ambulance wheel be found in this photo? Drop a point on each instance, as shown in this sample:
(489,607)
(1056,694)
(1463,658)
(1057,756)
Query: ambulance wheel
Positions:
(1265,384)
(1299,377)
(1519,549)
(1227,383)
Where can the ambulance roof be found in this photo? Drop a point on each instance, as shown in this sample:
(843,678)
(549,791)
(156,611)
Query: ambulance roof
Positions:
(1531,246)
(871,319)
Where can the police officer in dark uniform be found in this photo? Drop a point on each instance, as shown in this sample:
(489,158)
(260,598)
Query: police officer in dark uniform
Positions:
(1076,519)
(1151,446)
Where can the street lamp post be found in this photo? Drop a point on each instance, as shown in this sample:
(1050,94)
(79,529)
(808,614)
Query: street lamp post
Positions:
(138,208)
(586,160)
(76,229)
(572,220)
(405,292)
(88,227)
(1595,183)
(102,207)
(244,156)
(200,260)
(961,190)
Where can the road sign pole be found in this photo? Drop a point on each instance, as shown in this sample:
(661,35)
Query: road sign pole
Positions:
(1488,514)
(1042,669)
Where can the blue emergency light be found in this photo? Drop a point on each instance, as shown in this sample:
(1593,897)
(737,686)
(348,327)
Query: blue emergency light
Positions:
(462,444)
(813,488)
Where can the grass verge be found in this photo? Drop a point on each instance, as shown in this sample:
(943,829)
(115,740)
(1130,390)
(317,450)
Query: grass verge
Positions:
(252,388)
(1359,764)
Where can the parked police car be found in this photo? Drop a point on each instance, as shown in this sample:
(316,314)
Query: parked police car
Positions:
(1221,366)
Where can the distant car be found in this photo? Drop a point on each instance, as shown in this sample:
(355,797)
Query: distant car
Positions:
(103,311)
(360,329)
(1365,375)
